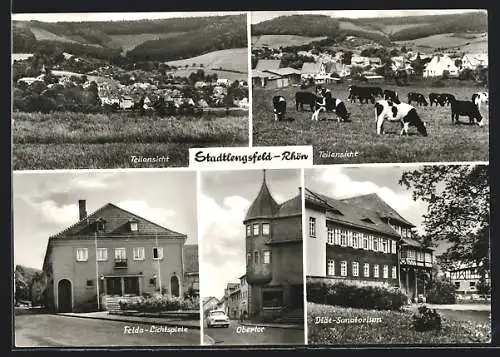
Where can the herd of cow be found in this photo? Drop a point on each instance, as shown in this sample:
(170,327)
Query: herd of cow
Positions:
(389,107)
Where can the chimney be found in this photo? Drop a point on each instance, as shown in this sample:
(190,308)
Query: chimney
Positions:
(82,209)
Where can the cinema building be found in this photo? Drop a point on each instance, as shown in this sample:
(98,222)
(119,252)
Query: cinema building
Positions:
(363,241)
(274,267)
(113,255)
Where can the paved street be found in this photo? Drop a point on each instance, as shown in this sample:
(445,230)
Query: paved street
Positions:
(46,330)
(237,334)
(478,313)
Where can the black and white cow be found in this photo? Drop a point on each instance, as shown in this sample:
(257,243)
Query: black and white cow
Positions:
(417,97)
(436,98)
(466,108)
(364,94)
(307,98)
(448,98)
(279,104)
(326,103)
(479,98)
(392,96)
(402,112)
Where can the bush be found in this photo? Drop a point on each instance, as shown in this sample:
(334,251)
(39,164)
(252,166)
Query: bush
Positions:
(364,297)
(426,320)
(160,303)
(440,292)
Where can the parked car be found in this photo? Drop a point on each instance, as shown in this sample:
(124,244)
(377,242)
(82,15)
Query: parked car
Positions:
(217,318)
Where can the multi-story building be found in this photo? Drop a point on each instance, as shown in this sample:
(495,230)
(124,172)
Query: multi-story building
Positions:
(274,255)
(466,279)
(191,271)
(245,295)
(364,241)
(210,303)
(111,252)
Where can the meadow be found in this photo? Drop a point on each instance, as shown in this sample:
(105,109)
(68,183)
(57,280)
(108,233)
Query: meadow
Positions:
(78,141)
(357,142)
(386,327)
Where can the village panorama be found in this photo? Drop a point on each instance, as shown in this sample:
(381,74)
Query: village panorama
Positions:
(126,93)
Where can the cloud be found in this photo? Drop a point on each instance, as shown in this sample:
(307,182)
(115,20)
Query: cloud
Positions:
(160,216)
(223,240)
(54,213)
(95,181)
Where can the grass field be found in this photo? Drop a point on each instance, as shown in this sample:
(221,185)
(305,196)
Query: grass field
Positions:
(276,41)
(332,140)
(448,40)
(44,35)
(386,327)
(234,59)
(76,140)
(346,26)
(129,42)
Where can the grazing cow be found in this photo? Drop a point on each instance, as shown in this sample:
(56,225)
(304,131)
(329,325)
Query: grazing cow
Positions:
(402,112)
(362,93)
(392,96)
(480,97)
(306,98)
(448,98)
(279,104)
(417,97)
(466,108)
(328,104)
(436,98)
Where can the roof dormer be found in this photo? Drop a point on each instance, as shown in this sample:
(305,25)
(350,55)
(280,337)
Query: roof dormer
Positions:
(133,225)
(100,224)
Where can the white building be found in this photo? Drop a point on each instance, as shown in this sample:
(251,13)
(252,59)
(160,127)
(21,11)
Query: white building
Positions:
(439,64)
(473,60)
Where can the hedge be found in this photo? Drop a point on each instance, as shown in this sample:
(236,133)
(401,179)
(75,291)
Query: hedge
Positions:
(160,303)
(363,297)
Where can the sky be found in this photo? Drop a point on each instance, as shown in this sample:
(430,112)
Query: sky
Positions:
(344,182)
(259,16)
(113,16)
(224,200)
(46,203)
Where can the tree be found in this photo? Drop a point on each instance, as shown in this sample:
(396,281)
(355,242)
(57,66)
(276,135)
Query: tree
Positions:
(458,210)
(446,74)
(347,57)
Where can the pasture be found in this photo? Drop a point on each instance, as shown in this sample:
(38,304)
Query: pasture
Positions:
(276,41)
(357,142)
(235,59)
(90,141)
(129,42)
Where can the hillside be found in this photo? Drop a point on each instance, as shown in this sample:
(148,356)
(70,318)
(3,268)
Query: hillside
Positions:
(24,280)
(275,41)
(165,39)
(477,43)
(235,59)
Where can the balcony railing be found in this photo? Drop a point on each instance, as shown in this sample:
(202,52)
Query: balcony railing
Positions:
(121,263)
(415,262)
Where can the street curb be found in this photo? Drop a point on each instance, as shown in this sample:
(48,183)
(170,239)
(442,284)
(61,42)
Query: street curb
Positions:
(290,327)
(207,340)
(129,321)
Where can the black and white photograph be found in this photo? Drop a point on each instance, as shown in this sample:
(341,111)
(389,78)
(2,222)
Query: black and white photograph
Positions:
(252,281)
(105,259)
(398,255)
(372,86)
(126,90)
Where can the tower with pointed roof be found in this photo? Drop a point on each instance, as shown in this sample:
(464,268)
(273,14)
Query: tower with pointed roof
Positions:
(274,254)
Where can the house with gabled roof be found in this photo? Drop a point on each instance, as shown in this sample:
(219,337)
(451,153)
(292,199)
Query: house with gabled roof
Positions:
(363,241)
(111,255)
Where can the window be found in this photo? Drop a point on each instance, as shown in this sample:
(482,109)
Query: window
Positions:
(256,257)
(355,239)
(139,253)
(330,239)
(428,258)
(370,242)
(366,270)
(386,272)
(336,233)
(256,229)
(457,285)
(343,237)
(375,271)
(472,284)
(120,254)
(267,257)
(343,268)
(249,258)
(265,229)
(102,254)
(393,248)
(375,244)
(82,254)
(355,269)
(158,253)
(133,225)
(331,267)
(249,230)
(349,239)
(384,245)
(312,227)
(365,242)
(394,273)
(152,282)
(90,283)
(99,225)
